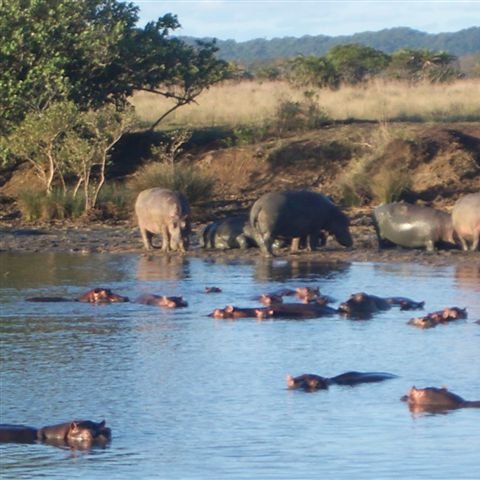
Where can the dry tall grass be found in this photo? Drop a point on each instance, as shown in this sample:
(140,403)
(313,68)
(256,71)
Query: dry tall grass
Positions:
(251,102)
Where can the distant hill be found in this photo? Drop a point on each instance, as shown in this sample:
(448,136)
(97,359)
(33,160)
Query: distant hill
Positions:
(459,43)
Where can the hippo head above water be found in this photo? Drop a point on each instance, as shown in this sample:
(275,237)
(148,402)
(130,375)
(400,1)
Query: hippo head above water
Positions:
(102,295)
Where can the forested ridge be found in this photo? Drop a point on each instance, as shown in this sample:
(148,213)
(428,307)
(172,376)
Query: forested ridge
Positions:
(459,43)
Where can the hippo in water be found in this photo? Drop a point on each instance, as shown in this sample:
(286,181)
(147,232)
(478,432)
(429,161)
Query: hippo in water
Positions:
(412,226)
(362,305)
(95,295)
(311,382)
(433,399)
(466,220)
(161,301)
(297,213)
(164,212)
(230,232)
(447,315)
(77,433)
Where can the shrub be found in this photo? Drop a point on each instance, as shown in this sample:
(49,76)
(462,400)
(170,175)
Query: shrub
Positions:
(38,205)
(183,178)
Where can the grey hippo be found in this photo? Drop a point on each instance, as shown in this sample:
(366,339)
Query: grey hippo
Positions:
(412,226)
(164,212)
(297,214)
(466,220)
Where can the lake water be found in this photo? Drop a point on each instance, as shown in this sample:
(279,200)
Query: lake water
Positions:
(190,397)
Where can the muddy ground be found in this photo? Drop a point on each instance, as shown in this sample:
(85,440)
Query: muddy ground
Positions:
(442,160)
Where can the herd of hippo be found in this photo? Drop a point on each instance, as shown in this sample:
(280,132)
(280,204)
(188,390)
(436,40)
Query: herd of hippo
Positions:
(303,217)
(297,218)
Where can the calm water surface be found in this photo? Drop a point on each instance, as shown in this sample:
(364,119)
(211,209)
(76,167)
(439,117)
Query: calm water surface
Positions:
(190,397)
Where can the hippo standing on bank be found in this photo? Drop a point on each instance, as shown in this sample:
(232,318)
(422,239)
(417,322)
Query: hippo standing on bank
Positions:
(466,220)
(161,211)
(412,226)
(297,213)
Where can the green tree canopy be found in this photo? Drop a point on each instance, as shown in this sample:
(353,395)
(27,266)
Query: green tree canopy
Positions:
(92,53)
(355,63)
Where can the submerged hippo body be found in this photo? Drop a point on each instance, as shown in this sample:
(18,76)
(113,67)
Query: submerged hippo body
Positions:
(412,226)
(311,382)
(447,315)
(17,434)
(466,220)
(432,399)
(297,214)
(230,232)
(164,212)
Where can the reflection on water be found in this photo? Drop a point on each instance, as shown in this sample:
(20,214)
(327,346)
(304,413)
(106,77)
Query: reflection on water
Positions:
(187,396)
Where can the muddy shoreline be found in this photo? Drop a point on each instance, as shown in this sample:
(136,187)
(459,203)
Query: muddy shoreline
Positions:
(125,238)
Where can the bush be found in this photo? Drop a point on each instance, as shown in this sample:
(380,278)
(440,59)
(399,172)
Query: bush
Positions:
(195,185)
(299,116)
(37,205)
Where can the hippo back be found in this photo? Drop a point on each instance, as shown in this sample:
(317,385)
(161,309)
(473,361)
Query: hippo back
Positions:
(466,220)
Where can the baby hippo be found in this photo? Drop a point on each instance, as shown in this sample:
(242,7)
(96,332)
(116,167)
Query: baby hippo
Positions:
(161,301)
(432,399)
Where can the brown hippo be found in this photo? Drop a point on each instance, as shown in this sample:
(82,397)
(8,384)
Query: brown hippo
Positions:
(161,301)
(448,314)
(310,382)
(296,213)
(412,226)
(270,299)
(466,220)
(232,312)
(78,433)
(95,295)
(164,212)
(433,399)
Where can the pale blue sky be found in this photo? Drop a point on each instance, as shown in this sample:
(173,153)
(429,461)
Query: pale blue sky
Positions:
(248,19)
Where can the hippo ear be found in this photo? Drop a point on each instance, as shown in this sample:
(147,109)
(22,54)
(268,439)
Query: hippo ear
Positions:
(73,426)
(101,424)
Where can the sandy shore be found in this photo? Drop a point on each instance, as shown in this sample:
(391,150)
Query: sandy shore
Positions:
(125,238)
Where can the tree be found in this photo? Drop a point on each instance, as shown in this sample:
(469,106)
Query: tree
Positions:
(355,63)
(422,64)
(313,71)
(92,53)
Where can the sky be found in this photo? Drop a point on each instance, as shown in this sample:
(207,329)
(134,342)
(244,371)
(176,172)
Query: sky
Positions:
(243,20)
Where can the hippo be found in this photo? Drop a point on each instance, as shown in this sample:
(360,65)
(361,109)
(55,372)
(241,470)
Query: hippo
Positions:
(232,312)
(448,314)
(433,399)
(270,299)
(95,295)
(213,290)
(230,232)
(311,382)
(164,212)
(161,301)
(466,220)
(412,226)
(78,433)
(300,310)
(362,305)
(296,213)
